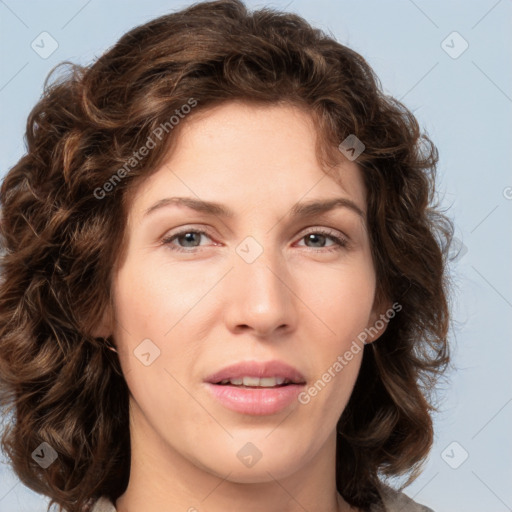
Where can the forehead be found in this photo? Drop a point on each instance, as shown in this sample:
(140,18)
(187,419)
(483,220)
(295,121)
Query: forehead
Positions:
(247,155)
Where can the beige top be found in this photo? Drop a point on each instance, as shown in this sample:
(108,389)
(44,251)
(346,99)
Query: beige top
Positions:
(394,501)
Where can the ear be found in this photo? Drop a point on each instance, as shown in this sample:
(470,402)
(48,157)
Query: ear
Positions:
(382,312)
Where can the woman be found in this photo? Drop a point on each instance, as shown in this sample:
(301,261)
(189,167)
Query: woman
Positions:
(224,283)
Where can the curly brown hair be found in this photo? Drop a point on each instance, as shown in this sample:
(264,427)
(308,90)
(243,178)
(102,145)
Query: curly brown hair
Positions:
(63,228)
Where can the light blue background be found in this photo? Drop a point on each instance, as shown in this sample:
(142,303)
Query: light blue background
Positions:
(465,104)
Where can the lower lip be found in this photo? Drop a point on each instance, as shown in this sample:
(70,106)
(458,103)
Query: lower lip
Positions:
(257,401)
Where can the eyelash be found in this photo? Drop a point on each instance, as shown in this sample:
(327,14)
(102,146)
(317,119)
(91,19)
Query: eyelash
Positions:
(340,242)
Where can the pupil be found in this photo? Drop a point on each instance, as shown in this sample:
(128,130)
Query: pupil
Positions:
(188,236)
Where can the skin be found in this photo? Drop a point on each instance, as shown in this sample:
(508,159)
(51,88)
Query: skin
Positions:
(300,302)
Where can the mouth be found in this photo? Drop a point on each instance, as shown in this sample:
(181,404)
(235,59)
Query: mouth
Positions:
(257,374)
(257,383)
(256,388)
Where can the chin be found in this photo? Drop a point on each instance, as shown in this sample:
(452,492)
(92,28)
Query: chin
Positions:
(249,464)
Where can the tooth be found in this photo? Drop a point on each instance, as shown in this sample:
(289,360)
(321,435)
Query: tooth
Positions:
(268,382)
(250,381)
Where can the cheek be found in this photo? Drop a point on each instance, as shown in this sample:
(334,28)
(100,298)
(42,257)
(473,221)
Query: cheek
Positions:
(156,303)
(135,304)
(149,300)
(148,304)
(343,300)
(342,297)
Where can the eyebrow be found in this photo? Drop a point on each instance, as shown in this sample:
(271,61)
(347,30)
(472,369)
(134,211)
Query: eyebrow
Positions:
(299,210)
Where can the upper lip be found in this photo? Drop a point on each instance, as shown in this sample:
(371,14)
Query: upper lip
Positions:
(257,369)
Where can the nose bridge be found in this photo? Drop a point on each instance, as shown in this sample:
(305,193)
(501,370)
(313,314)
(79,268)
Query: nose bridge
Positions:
(262,298)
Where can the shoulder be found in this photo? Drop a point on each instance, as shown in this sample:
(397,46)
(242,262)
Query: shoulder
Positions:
(396,501)
(103,505)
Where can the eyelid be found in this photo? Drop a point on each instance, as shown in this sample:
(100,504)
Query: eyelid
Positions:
(167,238)
(324,229)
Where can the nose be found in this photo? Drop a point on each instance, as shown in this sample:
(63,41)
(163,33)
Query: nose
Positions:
(261,296)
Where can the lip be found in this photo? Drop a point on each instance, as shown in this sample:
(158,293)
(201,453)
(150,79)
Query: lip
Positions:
(256,401)
(263,369)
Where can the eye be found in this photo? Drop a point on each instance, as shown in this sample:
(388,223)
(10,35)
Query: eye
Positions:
(190,237)
(189,240)
(321,235)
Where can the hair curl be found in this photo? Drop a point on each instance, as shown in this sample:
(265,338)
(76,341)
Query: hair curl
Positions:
(61,242)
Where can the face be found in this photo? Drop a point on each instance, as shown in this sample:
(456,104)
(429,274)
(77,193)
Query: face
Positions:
(200,290)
